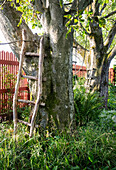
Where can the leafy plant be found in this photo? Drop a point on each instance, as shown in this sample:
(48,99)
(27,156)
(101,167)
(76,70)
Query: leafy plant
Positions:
(107,119)
(112,97)
(24,113)
(87,105)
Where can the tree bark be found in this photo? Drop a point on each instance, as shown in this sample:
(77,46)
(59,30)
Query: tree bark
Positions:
(99,59)
(57,91)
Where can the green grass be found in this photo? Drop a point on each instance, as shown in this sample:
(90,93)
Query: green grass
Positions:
(90,147)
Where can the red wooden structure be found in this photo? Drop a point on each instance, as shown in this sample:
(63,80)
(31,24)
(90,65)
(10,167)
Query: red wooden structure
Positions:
(9,66)
(112,76)
(80,71)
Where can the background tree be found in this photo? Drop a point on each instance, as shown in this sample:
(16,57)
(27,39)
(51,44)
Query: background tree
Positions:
(57,89)
(98,23)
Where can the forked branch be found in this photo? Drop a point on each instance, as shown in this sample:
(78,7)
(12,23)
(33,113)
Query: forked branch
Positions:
(110,37)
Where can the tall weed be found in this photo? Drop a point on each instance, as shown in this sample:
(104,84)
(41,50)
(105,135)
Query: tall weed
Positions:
(89,148)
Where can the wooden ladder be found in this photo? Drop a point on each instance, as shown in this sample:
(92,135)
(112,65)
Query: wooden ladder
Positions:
(38,78)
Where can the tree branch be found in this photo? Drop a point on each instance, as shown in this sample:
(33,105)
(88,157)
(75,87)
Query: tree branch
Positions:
(3,3)
(110,37)
(110,14)
(67,4)
(79,5)
(111,54)
(39,6)
(14,42)
(74,6)
(103,8)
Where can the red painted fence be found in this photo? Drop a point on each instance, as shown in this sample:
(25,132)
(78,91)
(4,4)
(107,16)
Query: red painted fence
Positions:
(80,71)
(9,66)
(112,76)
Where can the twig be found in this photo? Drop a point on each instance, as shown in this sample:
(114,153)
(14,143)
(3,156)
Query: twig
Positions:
(103,8)
(68,4)
(15,42)
(3,3)
(110,14)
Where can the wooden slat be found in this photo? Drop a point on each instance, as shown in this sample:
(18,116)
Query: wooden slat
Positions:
(42,104)
(26,123)
(15,116)
(26,101)
(29,101)
(29,77)
(9,62)
(40,66)
(91,78)
(7,90)
(31,54)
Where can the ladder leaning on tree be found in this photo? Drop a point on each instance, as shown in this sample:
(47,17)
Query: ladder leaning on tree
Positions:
(38,78)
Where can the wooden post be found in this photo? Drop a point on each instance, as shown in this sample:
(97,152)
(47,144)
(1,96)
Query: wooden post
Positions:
(40,66)
(18,82)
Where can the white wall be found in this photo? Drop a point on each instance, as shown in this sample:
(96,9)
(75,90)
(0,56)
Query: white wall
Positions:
(2,40)
(76,57)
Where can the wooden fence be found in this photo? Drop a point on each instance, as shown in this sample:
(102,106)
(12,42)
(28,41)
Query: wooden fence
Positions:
(80,71)
(9,66)
(112,76)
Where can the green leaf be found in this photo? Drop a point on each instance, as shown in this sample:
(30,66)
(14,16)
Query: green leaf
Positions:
(19,22)
(102,22)
(55,168)
(68,32)
(17,1)
(75,20)
(90,158)
(113,5)
(100,1)
(90,12)
(75,168)
(68,16)
(61,2)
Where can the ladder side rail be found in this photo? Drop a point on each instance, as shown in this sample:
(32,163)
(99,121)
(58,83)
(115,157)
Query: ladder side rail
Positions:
(40,66)
(15,116)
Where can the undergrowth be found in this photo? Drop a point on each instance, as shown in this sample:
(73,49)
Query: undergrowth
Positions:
(89,147)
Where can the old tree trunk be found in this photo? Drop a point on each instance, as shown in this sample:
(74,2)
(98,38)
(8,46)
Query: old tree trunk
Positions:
(57,92)
(100,53)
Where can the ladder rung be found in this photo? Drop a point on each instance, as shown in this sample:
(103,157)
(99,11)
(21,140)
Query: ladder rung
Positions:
(42,104)
(26,123)
(26,101)
(29,77)
(91,78)
(31,54)
(31,102)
